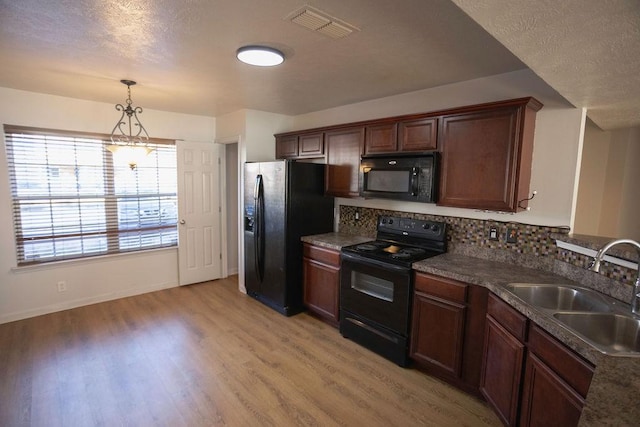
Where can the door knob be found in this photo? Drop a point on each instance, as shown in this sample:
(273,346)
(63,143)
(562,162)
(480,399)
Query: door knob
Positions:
(182,221)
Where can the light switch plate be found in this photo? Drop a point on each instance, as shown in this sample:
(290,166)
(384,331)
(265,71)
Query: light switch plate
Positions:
(512,235)
(493,233)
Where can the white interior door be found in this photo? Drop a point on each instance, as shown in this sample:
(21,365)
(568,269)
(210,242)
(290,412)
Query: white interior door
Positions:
(199,216)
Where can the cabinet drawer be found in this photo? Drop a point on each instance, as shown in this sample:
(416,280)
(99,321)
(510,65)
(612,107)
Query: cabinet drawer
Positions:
(446,289)
(568,365)
(323,255)
(508,317)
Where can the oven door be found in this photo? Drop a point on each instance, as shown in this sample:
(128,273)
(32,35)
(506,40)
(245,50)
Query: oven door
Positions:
(376,291)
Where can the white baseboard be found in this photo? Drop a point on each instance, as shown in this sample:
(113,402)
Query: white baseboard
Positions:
(11,317)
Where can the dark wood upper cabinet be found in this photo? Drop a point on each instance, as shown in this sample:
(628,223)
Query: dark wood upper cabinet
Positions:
(311,145)
(486,151)
(381,138)
(286,147)
(344,149)
(402,136)
(418,135)
(300,146)
(486,155)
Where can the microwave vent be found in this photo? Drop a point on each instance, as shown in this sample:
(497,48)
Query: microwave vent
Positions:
(321,22)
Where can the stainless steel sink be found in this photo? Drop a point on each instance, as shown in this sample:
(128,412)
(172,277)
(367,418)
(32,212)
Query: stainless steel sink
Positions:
(613,333)
(560,298)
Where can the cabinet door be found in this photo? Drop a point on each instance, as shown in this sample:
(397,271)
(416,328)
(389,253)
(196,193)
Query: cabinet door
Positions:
(381,139)
(418,135)
(344,149)
(321,282)
(502,371)
(438,333)
(546,399)
(321,289)
(479,159)
(286,147)
(311,145)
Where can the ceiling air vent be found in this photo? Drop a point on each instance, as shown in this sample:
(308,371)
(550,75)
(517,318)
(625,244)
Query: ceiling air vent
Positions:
(320,22)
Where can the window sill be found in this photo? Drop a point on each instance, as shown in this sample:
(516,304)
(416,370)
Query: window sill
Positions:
(89,260)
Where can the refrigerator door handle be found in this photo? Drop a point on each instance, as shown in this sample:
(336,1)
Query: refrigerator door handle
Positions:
(258,235)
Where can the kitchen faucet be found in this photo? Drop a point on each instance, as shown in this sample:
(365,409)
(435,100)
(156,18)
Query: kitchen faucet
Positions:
(595,266)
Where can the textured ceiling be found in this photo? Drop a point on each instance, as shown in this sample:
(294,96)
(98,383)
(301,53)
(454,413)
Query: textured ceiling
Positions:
(182,52)
(587,50)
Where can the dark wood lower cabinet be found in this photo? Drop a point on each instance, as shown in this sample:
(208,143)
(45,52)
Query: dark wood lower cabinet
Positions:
(556,382)
(321,282)
(502,371)
(529,377)
(447,330)
(546,399)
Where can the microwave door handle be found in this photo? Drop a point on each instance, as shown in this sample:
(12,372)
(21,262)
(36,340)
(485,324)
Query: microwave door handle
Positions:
(415,175)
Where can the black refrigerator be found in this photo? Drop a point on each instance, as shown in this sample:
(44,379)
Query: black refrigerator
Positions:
(284,200)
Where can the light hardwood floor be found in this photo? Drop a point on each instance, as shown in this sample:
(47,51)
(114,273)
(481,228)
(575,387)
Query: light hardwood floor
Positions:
(206,355)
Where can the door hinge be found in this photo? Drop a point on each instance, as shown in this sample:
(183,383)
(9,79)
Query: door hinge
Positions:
(220,255)
(219,162)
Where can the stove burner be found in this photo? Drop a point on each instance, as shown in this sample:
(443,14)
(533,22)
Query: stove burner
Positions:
(366,248)
(413,251)
(408,253)
(371,246)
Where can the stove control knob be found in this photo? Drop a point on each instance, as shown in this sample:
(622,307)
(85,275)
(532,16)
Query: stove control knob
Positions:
(390,221)
(384,220)
(435,228)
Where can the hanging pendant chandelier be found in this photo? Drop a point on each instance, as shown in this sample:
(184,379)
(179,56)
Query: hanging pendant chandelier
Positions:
(129,139)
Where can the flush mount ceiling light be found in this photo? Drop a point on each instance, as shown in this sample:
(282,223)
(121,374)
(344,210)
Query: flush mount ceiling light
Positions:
(129,143)
(260,56)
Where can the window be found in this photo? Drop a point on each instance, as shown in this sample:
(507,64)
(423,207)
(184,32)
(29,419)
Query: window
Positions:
(70,199)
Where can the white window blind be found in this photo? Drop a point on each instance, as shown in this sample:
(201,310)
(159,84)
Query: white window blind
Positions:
(72,199)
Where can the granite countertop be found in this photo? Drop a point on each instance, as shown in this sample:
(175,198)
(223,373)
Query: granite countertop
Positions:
(334,240)
(611,399)
(616,382)
(494,276)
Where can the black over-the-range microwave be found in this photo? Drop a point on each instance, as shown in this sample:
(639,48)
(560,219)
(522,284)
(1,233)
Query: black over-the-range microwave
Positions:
(404,177)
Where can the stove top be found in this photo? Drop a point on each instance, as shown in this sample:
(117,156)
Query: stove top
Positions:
(403,241)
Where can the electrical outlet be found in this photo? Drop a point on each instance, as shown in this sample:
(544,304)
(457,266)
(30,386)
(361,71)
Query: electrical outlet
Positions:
(493,233)
(62,286)
(512,235)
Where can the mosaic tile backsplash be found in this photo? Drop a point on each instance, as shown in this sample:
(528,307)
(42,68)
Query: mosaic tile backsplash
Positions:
(534,246)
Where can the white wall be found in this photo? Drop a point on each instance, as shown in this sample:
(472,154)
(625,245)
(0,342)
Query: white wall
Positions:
(30,291)
(595,156)
(630,200)
(609,193)
(557,141)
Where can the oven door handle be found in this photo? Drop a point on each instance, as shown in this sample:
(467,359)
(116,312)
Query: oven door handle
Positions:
(357,259)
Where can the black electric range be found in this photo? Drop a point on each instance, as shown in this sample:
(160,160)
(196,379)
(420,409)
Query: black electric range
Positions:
(376,283)
(402,241)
